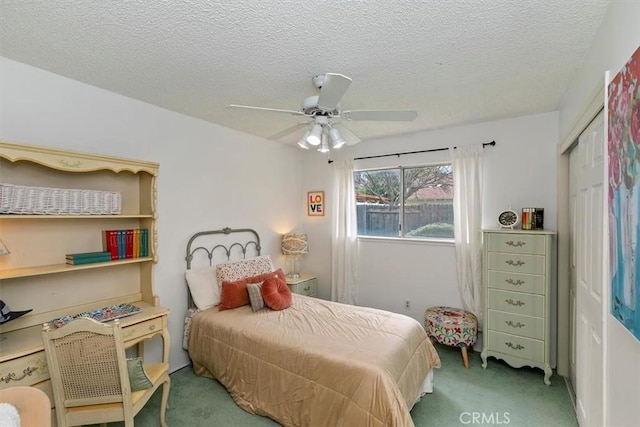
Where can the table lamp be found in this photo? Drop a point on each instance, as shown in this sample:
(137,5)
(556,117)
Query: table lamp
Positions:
(294,245)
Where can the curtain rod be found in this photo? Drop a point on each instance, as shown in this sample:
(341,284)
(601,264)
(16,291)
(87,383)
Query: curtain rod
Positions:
(415,152)
(484,144)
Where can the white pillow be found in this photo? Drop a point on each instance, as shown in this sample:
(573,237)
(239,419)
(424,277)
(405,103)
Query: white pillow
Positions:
(204,287)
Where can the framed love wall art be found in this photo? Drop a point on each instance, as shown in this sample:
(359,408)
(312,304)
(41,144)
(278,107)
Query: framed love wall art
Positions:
(624,194)
(315,203)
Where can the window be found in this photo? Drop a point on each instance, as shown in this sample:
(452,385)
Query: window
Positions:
(411,202)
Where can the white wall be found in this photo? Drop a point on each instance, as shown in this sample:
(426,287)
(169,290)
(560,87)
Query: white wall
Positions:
(616,40)
(210,177)
(520,171)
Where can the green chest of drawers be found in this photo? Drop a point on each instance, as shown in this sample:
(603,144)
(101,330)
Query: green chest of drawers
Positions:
(306,284)
(517,286)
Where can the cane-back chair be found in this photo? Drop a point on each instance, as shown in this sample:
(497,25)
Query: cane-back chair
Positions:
(88,369)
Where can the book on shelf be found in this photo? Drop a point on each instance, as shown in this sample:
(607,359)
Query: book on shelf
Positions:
(136,243)
(90,260)
(144,242)
(81,255)
(110,242)
(122,243)
(127,243)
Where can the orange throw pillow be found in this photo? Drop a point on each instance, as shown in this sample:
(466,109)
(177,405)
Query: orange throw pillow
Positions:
(276,293)
(235,294)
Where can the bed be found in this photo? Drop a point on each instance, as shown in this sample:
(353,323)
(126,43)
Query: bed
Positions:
(314,363)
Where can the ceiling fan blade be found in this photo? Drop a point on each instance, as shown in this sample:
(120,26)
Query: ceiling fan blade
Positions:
(274,110)
(380,115)
(349,137)
(333,88)
(287,131)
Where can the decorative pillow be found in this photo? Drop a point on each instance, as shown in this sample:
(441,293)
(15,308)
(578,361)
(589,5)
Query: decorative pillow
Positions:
(235,294)
(238,270)
(278,273)
(138,378)
(203,287)
(255,296)
(276,293)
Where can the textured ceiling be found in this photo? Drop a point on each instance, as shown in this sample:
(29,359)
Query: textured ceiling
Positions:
(455,62)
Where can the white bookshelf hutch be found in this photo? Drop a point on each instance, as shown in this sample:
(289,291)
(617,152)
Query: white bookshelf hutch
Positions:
(35,276)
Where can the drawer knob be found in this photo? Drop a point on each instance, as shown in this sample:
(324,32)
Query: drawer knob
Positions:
(12,375)
(515,347)
(514,325)
(515,244)
(307,288)
(517,263)
(152,327)
(512,302)
(517,282)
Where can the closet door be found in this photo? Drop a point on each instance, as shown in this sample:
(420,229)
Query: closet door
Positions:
(588,213)
(573,273)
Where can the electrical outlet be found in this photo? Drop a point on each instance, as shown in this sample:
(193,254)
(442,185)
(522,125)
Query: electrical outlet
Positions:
(407,304)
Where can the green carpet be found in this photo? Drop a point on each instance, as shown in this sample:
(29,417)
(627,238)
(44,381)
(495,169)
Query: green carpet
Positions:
(503,395)
(498,395)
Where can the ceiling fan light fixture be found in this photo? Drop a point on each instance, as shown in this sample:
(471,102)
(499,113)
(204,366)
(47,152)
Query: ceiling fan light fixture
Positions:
(337,140)
(315,137)
(325,107)
(302,143)
(324,146)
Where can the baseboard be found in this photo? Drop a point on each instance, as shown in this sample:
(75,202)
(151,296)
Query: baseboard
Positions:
(571,391)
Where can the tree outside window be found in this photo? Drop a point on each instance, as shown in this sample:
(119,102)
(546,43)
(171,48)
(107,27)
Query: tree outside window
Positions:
(415,202)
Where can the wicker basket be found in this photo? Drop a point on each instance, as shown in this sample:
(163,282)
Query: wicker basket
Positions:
(26,200)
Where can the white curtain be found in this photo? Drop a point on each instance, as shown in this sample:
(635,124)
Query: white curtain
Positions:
(344,241)
(467,218)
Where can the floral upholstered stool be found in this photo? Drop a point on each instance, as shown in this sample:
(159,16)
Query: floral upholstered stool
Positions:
(453,327)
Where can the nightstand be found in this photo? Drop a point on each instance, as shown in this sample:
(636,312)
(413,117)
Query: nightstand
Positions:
(306,284)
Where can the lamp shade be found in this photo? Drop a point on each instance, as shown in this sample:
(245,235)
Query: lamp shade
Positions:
(324,145)
(302,143)
(315,137)
(295,244)
(336,139)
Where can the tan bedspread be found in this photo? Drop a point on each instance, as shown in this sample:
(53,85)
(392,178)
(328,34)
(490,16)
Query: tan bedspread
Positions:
(317,363)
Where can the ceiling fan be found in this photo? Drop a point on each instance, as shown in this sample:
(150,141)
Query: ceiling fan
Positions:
(324,109)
